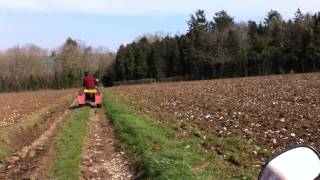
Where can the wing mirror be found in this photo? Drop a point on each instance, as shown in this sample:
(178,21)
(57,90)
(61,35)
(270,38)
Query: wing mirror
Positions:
(296,163)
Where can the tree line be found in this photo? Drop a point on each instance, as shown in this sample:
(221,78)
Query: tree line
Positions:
(220,47)
(30,67)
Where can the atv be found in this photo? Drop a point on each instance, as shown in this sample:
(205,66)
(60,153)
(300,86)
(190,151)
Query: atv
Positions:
(89,96)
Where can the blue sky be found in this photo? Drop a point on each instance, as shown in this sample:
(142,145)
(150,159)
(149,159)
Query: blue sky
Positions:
(109,23)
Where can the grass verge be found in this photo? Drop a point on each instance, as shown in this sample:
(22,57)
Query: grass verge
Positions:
(157,151)
(66,163)
(238,154)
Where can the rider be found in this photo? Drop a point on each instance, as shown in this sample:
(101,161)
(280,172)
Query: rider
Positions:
(89,81)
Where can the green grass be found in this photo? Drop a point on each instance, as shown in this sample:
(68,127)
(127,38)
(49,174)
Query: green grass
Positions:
(66,163)
(159,154)
(236,151)
(4,151)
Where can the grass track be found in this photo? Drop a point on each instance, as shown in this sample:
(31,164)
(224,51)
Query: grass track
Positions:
(66,163)
(158,153)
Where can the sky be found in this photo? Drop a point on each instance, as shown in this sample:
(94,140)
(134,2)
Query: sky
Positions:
(110,23)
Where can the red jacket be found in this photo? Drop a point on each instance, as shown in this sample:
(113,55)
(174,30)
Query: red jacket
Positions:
(89,82)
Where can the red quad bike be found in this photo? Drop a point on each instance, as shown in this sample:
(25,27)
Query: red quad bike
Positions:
(90,96)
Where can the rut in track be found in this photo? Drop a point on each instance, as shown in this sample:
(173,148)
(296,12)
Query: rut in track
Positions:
(28,162)
(101,159)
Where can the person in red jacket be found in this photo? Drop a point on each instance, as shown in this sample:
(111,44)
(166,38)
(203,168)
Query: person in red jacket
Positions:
(89,82)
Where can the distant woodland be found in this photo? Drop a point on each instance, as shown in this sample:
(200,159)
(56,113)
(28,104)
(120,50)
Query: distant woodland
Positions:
(30,67)
(219,47)
(211,48)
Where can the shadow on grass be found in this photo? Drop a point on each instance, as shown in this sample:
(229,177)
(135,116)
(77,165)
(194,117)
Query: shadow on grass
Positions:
(77,106)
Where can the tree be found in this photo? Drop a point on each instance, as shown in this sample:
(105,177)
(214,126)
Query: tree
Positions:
(313,49)
(172,57)
(274,51)
(222,21)
(158,63)
(120,71)
(197,24)
(273,17)
(236,56)
(255,48)
(223,48)
(71,59)
(142,50)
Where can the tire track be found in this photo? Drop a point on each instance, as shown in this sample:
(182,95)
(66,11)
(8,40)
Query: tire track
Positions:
(29,160)
(101,159)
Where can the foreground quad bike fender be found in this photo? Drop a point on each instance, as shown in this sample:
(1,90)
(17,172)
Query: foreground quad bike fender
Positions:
(295,163)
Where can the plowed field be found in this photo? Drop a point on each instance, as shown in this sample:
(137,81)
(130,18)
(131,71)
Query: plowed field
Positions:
(15,106)
(270,112)
(33,129)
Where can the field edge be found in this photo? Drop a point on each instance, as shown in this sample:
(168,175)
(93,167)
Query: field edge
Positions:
(157,152)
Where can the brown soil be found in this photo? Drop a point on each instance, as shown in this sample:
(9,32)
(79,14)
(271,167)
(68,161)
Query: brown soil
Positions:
(17,106)
(270,112)
(25,136)
(33,146)
(27,162)
(101,159)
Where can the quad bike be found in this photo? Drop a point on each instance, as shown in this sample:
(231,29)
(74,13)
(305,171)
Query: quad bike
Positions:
(300,162)
(88,96)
